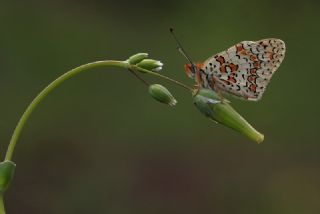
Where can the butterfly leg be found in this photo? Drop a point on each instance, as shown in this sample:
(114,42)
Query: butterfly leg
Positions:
(196,88)
(218,92)
(215,88)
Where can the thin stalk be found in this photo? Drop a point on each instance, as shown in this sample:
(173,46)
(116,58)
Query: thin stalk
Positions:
(138,77)
(162,76)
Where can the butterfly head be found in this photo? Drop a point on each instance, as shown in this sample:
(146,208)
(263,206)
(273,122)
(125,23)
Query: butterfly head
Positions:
(192,69)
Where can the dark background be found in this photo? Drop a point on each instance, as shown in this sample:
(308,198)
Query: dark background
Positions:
(100,144)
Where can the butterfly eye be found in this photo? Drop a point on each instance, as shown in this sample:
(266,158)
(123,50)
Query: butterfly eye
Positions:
(190,70)
(193,69)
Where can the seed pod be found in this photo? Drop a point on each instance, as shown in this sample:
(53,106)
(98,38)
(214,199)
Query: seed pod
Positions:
(161,94)
(211,105)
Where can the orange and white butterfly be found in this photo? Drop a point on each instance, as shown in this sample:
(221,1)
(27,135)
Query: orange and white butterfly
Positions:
(243,70)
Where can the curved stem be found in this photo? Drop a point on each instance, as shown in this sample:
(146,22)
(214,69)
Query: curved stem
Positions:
(47,90)
(61,79)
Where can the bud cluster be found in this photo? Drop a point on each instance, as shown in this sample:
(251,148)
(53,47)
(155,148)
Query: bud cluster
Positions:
(141,60)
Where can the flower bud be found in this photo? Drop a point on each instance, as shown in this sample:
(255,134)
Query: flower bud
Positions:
(6,174)
(150,64)
(162,94)
(210,104)
(137,58)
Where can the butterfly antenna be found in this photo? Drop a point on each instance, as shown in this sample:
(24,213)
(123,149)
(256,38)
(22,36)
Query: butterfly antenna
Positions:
(181,49)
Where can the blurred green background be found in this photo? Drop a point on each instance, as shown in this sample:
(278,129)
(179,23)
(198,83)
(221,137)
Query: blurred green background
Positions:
(101,144)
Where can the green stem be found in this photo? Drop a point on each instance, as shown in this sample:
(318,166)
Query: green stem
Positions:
(2,210)
(61,79)
(48,89)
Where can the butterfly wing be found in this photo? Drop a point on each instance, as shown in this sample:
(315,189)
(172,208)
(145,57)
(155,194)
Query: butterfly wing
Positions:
(245,69)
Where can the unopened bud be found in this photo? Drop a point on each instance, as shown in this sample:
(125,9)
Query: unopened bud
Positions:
(150,64)
(211,105)
(6,174)
(137,58)
(161,94)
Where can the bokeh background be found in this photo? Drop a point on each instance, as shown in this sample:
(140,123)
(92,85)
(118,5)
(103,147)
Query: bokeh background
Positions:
(101,144)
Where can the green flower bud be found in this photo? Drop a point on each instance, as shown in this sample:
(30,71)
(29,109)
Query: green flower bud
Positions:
(210,104)
(137,58)
(6,174)
(162,94)
(150,64)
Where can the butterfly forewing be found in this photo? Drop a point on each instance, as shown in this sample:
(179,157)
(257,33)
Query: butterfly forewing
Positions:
(245,69)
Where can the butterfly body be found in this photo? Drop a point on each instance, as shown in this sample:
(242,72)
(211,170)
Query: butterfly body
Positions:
(243,70)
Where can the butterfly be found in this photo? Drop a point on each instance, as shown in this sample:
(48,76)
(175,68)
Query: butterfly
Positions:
(244,70)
